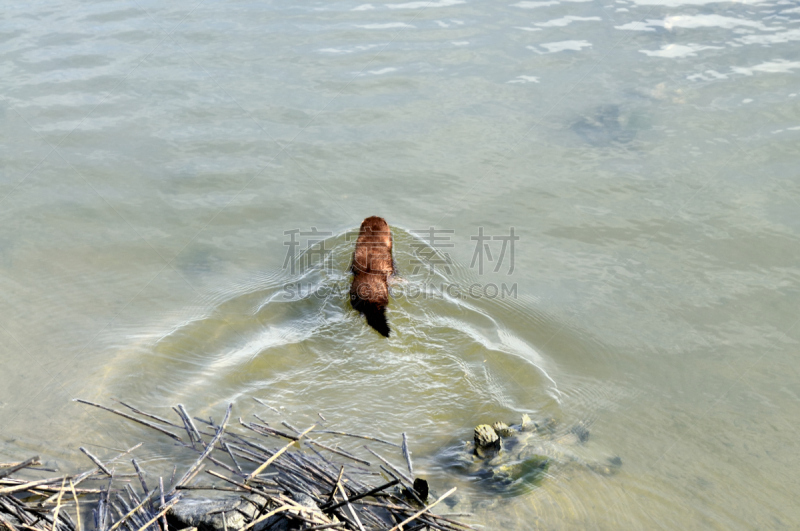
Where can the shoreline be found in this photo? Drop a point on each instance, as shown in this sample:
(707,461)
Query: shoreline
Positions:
(261,478)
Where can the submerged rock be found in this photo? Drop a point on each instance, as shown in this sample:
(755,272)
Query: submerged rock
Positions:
(207,514)
(502,429)
(487,442)
(606,126)
(513,459)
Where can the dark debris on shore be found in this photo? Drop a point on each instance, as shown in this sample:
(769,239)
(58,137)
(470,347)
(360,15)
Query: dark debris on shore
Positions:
(302,483)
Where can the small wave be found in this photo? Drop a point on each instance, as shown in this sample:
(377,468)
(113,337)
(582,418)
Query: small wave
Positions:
(426,4)
(562,46)
(388,25)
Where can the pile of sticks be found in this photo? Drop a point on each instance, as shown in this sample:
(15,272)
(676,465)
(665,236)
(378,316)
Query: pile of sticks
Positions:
(305,482)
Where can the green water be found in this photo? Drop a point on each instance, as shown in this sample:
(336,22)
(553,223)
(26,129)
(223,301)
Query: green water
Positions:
(152,160)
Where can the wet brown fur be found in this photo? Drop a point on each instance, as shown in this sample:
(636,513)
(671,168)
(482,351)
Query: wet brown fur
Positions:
(372,266)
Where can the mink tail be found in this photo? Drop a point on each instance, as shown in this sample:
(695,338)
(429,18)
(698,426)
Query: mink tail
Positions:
(376,318)
(375,314)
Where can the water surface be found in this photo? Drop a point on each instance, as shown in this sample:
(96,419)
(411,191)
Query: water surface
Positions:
(153,159)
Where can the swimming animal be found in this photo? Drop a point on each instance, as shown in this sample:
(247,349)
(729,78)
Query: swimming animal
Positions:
(371,267)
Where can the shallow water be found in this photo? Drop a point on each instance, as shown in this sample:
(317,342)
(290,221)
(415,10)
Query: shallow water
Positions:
(154,159)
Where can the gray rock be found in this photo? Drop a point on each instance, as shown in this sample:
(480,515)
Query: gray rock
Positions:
(11,519)
(207,514)
(279,522)
(606,126)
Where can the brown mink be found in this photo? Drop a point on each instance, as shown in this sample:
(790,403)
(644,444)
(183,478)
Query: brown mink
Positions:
(372,265)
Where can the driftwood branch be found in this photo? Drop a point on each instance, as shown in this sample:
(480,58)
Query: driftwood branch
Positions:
(95,460)
(425,510)
(365,437)
(145,414)
(407,454)
(130,417)
(335,494)
(276,455)
(192,470)
(19,466)
(370,492)
(387,463)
